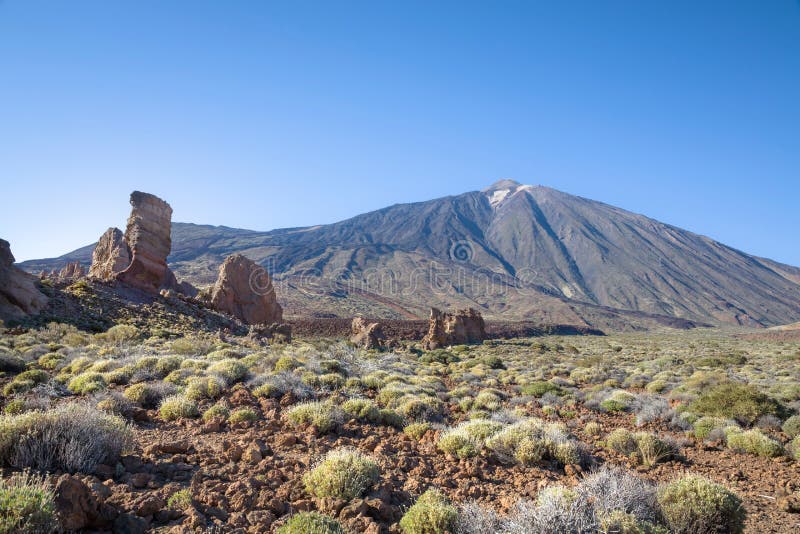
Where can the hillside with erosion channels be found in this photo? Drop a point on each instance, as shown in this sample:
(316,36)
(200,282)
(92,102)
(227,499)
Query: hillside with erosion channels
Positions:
(515,252)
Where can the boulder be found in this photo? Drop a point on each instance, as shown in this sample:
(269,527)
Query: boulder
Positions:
(463,326)
(19,295)
(78,508)
(111,256)
(148,238)
(244,289)
(366,335)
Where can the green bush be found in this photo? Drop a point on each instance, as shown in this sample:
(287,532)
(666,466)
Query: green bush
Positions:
(431,514)
(733,400)
(216,411)
(754,442)
(27,505)
(310,523)
(323,416)
(342,473)
(416,430)
(286,363)
(792,426)
(537,389)
(204,387)
(180,500)
(231,371)
(704,426)
(144,394)
(86,383)
(242,415)
(493,362)
(177,407)
(618,401)
(694,504)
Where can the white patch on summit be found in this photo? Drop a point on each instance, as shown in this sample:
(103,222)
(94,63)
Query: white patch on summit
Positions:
(498,196)
(502,190)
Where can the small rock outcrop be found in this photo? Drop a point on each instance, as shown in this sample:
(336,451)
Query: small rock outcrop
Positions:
(244,289)
(463,326)
(72,271)
(19,295)
(366,335)
(111,255)
(148,238)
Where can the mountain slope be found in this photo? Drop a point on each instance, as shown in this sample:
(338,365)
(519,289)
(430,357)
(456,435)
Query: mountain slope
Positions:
(517,252)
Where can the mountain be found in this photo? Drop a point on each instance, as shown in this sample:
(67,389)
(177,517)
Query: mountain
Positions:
(514,251)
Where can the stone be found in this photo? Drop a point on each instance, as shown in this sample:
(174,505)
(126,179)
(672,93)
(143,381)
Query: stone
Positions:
(244,290)
(148,237)
(366,335)
(19,295)
(461,327)
(111,256)
(72,271)
(78,508)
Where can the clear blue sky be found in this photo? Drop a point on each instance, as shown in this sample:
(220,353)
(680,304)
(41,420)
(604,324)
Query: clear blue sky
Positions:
(263,115)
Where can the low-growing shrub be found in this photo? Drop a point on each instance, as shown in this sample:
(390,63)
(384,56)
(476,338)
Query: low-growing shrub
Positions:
(432,513)
(620,400)
(754,442)
(416,430)
(231,371)
(71,437)
(217,411)
(323,416)
(743,402)
(242,415)
(27,505)
(695,504)
(792,426)
(148,394)
(180,500)
(86,383)
(342,473)
(310,523)
(177,407)
(537,389)
(206,387)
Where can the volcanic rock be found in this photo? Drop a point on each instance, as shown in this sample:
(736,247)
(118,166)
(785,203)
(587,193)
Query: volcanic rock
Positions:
(18,293)
(148,237)
(463,326)
(366,335)
(72,271)
(111,256)
(244,289)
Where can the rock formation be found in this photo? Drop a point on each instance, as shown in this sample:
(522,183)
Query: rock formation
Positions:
(463,326)
(72,271)
(148,238)
(139,257)
(111,255)
(18,293)
(244,289)
(366,335)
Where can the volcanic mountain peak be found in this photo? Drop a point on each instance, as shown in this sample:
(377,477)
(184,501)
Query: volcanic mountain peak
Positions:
(504,189)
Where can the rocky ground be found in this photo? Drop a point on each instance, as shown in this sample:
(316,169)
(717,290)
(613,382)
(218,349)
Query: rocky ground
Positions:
(247,476)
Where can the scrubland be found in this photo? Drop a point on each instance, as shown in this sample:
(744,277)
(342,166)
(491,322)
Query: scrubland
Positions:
(674,431)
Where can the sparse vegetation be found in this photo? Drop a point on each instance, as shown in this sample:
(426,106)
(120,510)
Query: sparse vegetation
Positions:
(343,474)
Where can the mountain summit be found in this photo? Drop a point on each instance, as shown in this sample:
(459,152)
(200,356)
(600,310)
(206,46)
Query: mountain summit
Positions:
(514,251)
